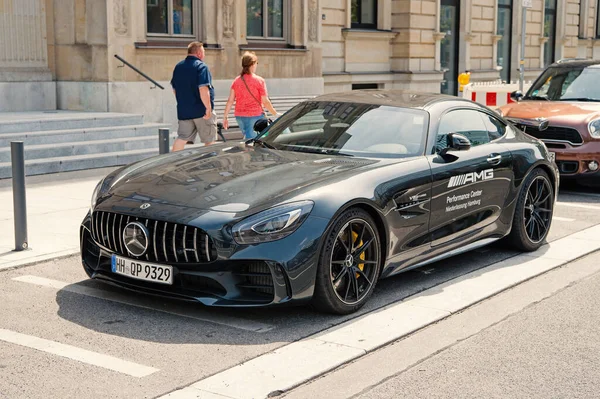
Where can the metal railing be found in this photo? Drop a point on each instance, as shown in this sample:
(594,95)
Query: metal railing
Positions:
(138,71)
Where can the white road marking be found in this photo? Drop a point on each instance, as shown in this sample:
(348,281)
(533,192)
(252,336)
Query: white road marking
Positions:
(78,354)
(560,219)
(582,194)
(308,358)
(574,205)
(198,314)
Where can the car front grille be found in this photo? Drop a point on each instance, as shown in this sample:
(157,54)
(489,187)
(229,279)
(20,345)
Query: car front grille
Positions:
(168,242)
(556,133)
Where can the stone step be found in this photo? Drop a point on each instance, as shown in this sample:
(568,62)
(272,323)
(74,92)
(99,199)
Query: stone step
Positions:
(58,120)
(79,162)
(83,147)
(80,134)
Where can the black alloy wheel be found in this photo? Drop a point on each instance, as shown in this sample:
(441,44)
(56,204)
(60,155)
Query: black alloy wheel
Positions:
(538,209)
(533,213)
(349,264)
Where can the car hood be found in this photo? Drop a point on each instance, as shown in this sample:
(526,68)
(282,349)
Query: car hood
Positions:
(557,112)
(228,179)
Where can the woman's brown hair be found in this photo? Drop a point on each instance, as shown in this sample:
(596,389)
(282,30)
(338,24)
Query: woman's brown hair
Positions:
(248,59)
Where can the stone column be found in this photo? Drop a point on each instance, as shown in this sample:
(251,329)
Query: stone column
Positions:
(314,18)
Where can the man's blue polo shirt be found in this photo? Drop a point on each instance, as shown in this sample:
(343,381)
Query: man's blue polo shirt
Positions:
(188,76)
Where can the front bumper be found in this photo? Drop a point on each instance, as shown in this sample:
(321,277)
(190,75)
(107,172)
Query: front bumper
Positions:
(246,277)
(573,161)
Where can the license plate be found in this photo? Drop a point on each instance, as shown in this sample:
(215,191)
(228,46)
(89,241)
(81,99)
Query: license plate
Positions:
(142,270)
(552,156)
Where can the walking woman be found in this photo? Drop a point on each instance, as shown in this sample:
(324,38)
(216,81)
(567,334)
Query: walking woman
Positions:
(249,92)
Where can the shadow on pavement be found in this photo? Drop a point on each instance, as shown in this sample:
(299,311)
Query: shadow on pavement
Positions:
(144,322)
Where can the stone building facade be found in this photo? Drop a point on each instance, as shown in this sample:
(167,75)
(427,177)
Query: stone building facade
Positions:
(60,54)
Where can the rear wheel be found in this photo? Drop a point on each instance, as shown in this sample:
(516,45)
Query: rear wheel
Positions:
(533,213)
(349,264)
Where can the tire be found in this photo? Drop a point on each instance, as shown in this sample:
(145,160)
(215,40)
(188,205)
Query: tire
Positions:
(533,212)
(346,278)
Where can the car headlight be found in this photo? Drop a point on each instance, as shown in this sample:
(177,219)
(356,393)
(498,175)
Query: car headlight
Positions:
(95,195)
(273,224)
(594,128)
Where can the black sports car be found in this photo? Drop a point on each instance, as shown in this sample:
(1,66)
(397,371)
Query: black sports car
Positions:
(339,192)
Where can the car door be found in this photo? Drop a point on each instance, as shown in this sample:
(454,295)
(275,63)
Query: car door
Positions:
(468,187)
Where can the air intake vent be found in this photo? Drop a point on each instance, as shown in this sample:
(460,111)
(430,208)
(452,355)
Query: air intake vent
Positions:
(554,133)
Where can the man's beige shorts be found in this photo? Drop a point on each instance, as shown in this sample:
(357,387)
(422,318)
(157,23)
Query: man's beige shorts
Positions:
(205,128)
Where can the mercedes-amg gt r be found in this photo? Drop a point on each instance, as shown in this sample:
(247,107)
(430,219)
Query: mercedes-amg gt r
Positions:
(339,192)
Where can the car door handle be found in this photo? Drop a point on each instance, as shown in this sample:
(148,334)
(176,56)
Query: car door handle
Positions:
(494,159)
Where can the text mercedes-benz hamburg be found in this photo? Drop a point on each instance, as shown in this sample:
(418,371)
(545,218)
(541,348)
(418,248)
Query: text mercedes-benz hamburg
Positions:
(562,108)
(339,192)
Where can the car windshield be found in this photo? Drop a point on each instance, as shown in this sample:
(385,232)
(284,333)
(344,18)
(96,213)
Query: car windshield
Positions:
(566,83)
(349,129)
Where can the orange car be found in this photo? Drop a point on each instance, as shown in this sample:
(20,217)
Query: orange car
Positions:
(562,108)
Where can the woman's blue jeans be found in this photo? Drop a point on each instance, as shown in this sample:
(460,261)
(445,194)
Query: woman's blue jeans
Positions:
(246,124)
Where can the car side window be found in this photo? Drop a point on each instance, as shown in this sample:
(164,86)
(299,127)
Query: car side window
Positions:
(463,121)
(495,127)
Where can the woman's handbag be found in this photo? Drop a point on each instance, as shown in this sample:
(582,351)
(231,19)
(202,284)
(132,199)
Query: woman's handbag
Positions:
(263,122)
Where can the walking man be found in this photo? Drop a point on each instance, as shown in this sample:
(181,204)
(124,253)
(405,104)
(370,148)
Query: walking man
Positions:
(192,85)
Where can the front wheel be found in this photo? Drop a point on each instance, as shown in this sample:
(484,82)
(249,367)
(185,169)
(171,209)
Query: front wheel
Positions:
(349,264)
(533,213)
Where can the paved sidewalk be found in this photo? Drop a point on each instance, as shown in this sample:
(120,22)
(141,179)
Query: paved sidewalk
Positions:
(540,339)
(56,204)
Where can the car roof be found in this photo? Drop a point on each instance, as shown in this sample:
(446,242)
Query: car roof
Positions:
(577,63)
(395,98)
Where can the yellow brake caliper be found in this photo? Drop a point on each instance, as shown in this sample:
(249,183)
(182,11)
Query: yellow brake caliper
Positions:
(361,266)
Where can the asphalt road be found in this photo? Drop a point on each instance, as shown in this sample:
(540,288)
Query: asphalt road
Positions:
(551,349)
(120,344)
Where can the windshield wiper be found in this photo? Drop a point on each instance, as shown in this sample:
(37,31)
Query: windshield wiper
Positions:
(325,151)
(336,152)
(579,99)
(535,98)
(261,142)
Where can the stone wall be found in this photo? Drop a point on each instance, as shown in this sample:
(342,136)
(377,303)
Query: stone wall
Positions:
(67,47)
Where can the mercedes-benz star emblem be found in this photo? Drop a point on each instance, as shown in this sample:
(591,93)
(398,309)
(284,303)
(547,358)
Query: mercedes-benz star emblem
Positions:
(135,237)
(145,205)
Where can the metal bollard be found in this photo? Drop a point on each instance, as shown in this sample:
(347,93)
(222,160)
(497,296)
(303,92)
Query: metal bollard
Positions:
(19,201)
(220,130)
(163,141)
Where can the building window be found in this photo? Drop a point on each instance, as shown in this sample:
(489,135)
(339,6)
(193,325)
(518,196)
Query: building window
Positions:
(170,17)
(364,86)
(549,31)
(597,21)
(449,24)
(364,14)
(265,19)
(504,30)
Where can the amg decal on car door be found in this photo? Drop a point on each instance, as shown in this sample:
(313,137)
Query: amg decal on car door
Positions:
(471,177)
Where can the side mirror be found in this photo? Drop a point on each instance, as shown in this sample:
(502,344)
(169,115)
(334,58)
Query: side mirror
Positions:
(456,142)
(516,95)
